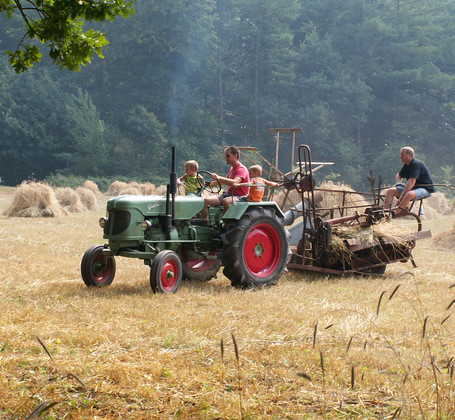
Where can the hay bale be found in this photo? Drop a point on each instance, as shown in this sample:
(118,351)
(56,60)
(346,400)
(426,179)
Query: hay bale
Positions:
(87,197)
(161,190)
(445,240)
(286,201)
(35,200)
(434,205)
(116,187)
(90,185)
(332,198)
(128,190)
(148,188)
(70,200)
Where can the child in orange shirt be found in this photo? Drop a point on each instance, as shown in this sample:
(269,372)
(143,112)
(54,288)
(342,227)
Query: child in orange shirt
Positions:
(257,184)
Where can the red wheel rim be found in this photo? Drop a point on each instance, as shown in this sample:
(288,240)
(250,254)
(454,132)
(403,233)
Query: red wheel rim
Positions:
(169,275)
(262,250)
(101,271)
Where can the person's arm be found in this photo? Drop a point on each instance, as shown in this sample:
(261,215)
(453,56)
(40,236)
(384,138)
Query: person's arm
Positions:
(226,181)
(180,180)
(271,183)
(399,179)
(409,186)
(243,184)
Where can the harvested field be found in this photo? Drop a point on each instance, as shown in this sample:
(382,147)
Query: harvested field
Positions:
(314,346)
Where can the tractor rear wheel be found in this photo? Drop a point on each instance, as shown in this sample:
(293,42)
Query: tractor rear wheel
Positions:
(166,272)
(255,249)
(196,267)
(96,269)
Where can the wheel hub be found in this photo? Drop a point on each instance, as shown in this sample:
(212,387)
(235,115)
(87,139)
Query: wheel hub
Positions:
(259,249)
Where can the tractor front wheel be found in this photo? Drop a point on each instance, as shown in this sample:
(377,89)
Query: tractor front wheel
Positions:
(166,272)
(97,270)
(255,249)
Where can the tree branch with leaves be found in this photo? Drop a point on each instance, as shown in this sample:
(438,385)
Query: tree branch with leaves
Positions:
(59,24)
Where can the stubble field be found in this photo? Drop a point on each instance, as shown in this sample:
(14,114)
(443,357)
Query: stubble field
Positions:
(314,346)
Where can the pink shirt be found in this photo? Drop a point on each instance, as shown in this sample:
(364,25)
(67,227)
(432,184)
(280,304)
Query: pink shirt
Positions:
(242,172)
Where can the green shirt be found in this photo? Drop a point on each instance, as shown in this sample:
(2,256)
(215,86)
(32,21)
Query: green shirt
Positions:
(191,184)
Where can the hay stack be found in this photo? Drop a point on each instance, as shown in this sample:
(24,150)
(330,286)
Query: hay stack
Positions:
(286,201)
(70,200)
(434,205)
(331,198)
(148,188)
(161,190)
(445,240)
(116,187)
(35,200)
(131,190)
(87,197)
(90,185)
(334,199)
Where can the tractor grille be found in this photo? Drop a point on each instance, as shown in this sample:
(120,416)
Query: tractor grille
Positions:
(121,220)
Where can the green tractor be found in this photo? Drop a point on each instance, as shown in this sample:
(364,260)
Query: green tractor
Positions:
(166,233)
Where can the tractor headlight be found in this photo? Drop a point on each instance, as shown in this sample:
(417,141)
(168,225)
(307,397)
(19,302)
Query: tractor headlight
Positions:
(146,225)
(102,222)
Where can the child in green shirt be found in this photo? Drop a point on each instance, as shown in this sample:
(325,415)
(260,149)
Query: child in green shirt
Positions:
(190,178)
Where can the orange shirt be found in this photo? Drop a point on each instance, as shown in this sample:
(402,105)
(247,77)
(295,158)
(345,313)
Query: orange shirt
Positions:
(256,191)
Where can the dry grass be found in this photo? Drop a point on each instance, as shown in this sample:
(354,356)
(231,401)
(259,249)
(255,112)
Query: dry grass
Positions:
(314,346)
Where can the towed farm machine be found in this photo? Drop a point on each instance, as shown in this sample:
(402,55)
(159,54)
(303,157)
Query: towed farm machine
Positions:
(255,241)
(347,238)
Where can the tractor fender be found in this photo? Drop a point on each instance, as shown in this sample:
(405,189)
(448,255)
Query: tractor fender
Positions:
(238,209)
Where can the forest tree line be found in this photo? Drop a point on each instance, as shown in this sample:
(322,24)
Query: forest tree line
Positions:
(362,78)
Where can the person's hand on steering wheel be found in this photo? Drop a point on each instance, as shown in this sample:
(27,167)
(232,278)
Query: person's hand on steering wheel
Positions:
(205,185)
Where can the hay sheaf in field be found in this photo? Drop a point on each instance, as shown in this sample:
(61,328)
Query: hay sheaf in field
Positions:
(35,200)
(70,200)
(116,187)
(434,206)
(445,240)
(90,185)
(132,188)
(334,196)
(88,197)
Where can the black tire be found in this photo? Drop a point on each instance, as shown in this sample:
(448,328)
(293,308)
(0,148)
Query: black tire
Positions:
(255,249)
(166,272)
(197,268)
(97,270)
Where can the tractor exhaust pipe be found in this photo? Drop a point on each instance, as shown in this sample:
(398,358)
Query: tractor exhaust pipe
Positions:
(167,220)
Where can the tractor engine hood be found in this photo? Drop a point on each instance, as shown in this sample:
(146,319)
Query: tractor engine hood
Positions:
(186,207)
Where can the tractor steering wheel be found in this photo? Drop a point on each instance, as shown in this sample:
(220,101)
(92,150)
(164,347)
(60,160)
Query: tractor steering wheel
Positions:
(205,185)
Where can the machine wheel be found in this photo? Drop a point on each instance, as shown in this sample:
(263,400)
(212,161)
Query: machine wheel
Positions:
(166,272)
(255,249)
(97,270)
(197,268)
